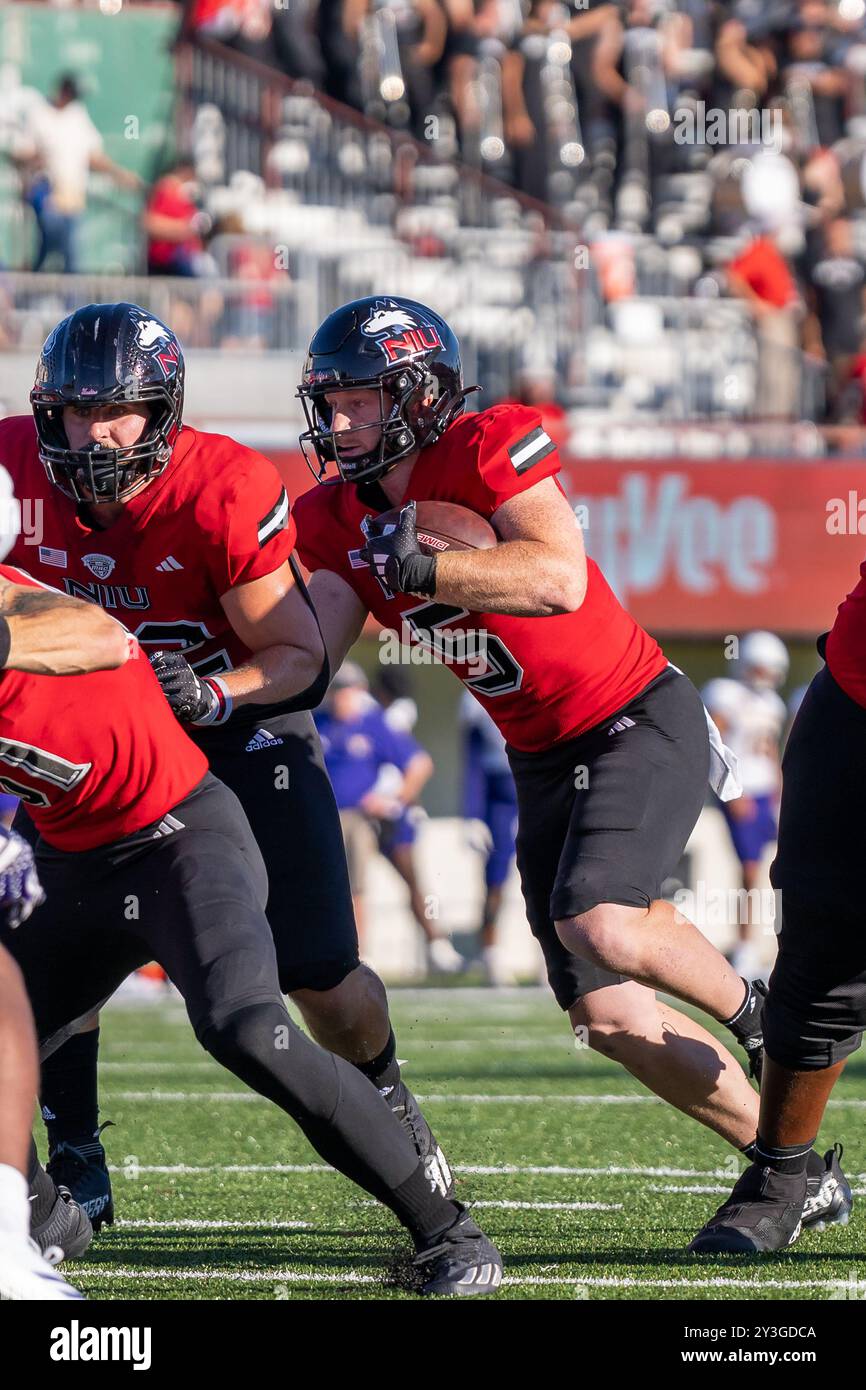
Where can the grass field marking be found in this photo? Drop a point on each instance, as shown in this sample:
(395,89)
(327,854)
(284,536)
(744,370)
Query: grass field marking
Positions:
(295,1276)
(151,1224)
(431,1098)
(245,1097)
(473,1169)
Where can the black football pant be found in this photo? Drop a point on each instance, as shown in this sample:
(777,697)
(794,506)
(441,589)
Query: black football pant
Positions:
(815,1014)
(275,768)
(190,892)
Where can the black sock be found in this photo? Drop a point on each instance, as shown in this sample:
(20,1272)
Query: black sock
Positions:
(789,1161)
(424,1212)
(815,1165)
(749,1151)
(746,1022)
(43,1193)
(68,1093)
(384,1070)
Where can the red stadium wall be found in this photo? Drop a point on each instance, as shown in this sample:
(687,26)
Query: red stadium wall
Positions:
(702,547)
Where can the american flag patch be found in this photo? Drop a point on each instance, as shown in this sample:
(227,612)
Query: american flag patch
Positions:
(53,557)
(355,560)
(531,449)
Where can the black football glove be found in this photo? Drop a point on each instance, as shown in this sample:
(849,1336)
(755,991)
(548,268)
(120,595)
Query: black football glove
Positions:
(194,700)
(395,556)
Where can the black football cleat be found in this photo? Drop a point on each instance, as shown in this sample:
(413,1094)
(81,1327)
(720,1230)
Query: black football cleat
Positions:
(752,1040)
(66,1228)
(460,1263)
(762,1215)
(85,1174)
(828,1195)
(408,1112)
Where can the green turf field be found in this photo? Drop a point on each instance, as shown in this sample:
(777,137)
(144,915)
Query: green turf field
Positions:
(590,1188)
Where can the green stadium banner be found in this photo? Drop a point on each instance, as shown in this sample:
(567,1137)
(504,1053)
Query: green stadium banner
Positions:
(124,68)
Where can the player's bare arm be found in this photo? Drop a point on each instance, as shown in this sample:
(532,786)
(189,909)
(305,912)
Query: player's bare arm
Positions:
(271,617)
(537,570)
(341,614)
(52,635)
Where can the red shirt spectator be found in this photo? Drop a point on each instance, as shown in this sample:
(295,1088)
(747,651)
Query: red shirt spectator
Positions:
(170,249)
(763,268)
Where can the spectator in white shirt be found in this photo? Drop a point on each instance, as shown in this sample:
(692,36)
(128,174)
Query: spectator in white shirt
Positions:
(62,147)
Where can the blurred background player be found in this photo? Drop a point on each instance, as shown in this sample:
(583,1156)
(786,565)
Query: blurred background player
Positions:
(377,774)
(751,717)
(398,836)
(489,797)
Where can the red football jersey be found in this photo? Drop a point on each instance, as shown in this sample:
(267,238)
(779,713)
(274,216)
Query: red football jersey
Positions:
(218,516)
(92,757)
(846,644)
(541,679)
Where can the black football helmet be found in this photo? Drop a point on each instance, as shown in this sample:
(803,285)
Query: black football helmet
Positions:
(406,351)
(101,355)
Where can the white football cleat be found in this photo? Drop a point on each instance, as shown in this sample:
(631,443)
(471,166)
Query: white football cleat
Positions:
(28,1276)
(497,971)
(442,957)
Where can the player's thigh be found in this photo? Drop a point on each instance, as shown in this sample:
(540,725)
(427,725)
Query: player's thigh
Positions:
(645,784)
(289,802)
(75,950)
(201,911)
(816,1010)
(822,823)
(545,786)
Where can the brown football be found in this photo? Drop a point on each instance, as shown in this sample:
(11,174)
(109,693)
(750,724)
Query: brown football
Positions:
(446,526)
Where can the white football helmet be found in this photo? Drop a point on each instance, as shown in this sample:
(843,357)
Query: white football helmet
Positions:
(764,660)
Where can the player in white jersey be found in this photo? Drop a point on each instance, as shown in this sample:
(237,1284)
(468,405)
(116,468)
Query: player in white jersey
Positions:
(751,717)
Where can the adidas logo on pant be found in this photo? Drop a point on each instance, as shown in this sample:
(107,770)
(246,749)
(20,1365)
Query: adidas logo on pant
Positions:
(262,738)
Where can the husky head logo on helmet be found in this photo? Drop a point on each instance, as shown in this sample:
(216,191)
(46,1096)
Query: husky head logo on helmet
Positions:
(393,345)
(108,354)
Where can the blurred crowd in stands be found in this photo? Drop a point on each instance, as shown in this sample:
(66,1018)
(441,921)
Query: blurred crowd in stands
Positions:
(734,133)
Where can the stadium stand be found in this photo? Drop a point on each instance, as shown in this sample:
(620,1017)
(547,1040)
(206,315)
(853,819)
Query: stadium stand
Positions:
(677,233)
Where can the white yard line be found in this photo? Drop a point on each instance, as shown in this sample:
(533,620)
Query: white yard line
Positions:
(246,1097)
(152,1224)
(478,1170)
(438,1098)
(294,1276)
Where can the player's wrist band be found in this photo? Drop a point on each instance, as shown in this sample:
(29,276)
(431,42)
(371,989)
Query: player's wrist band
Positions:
(221,709)
(5,642)
(419,575)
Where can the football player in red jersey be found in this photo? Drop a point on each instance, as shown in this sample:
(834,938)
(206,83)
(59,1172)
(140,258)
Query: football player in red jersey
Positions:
(608,743)
(144,855)
(187,537)
(42,632)
(815,1012)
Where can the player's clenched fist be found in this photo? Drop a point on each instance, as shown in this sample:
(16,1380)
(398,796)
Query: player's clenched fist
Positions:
(396,556)
(194,700)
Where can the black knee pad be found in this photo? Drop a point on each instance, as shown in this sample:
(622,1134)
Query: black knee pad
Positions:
(261,1045)
(320,975)
(815,1012)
